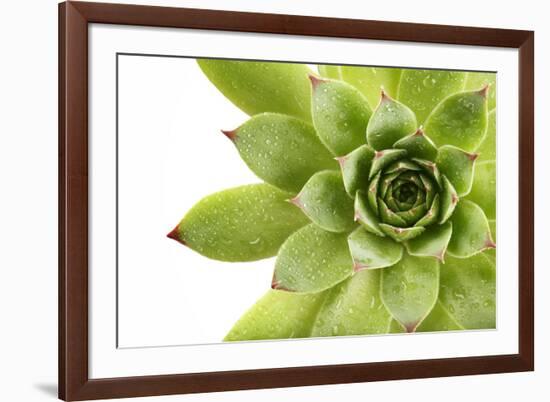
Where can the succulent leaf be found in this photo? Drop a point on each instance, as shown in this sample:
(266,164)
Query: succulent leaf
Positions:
(370,251)
(340,115)
(325,201)
(484,189)
(479,80)
(468,289)
(355,168)
(459,120)
(371,80)
(431,214)
(458,166)
(258,87)
(432,243)
(487,150)
(396,328)
(401,234)
(471,231)
(278,315)
(448,200)
(409,289)
(244,223)
(384,158)
(388,216)
(312,260)
(281,150)
(431,169)
(422,90)
(365,215)
(390,122)
(418,145)
(330,71)
(353,308)
(439,319)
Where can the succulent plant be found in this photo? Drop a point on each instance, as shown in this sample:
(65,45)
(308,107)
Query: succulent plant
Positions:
(379,204)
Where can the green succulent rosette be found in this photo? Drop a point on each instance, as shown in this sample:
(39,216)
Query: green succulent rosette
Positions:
(379,205)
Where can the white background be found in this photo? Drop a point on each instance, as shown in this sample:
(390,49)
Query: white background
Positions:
(28,206)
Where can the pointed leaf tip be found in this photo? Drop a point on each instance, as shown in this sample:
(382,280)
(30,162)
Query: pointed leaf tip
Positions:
(383,95)
(315,81)
(174,235)
(472,156)
(419,132)
(276,284)
(484,91)
(231,134)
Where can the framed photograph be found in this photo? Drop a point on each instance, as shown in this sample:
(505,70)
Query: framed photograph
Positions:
(260,200)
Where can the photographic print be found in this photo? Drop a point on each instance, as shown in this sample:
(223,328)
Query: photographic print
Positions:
(262,200)
(367,194)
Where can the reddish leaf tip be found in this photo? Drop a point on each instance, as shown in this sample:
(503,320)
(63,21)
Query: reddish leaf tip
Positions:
(489,243)
(231,134)
(454,198)
(296,201)
(315,81)
(174,235)
(357,266)
(419,132)
(378,154)
(484,91)
(410,327)
(472,156)
(341,160)
(276,285)
(383,95)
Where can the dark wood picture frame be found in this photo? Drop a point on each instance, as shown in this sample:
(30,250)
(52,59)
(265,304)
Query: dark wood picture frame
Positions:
(74,381)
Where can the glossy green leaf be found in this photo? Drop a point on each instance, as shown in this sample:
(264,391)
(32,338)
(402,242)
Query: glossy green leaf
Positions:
(370,251)
(371,80)
(471,232)
(410,289)
(281,150)
(384,158)
(388,216)
(355,168)
(422,90)
(390,122)
(448,200)
(401,166)
(432,243)
(330,71)
(340,115)
(354,308)
(460,120)
(476,81)
(365,215)
(418,145)
(396,328)
(439,319)
(484,188)
(468,289)
(312,260)
(240,224)
(431,215)
(458,166)
(401,234)
(488,149)
(431,169)
(325,201)
(257,87)
(278,315)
